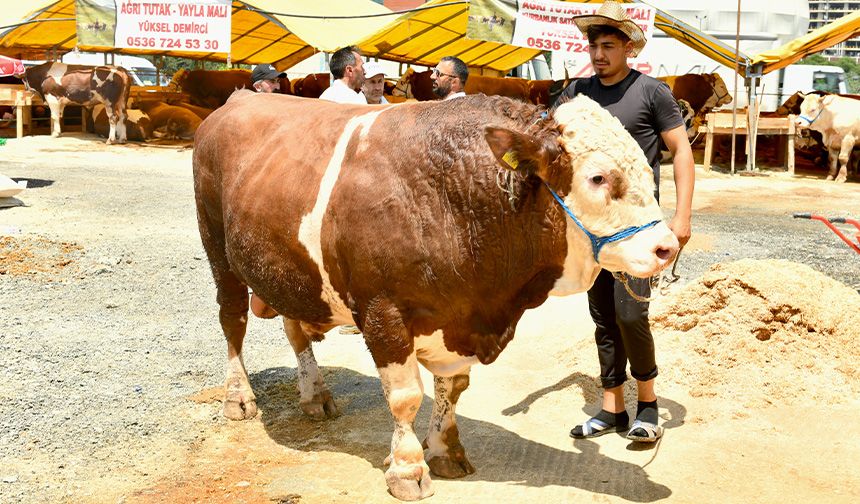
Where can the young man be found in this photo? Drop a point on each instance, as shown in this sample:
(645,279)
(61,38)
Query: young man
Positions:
(374,83)
(347,68)
(648,111)
(449,78)
(266,79)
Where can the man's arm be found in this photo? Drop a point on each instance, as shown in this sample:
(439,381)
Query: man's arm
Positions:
(685,175)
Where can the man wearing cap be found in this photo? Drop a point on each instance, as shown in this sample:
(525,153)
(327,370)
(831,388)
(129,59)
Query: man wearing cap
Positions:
(648,111)
(347,68)
(266,79)
(449,78)
(374,83)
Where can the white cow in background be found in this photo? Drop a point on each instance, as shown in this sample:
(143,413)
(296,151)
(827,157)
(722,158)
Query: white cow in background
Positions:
(838,120)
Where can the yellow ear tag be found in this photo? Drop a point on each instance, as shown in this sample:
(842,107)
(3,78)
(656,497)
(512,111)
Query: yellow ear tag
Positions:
(510,157)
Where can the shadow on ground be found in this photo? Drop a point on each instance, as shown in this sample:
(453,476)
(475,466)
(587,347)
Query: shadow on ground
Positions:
(364,429)
(35,183)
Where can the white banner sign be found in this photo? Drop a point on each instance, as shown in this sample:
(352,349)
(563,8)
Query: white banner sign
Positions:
(546,25)
(161,25)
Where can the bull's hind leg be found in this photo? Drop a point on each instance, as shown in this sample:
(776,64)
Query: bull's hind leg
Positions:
(113,120)
(833,159)
(56,114)
(314,396)
(445,455)
(239,400)
(844,157)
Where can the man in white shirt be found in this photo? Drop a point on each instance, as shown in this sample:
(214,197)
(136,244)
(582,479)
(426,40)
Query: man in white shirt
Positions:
(374,83)
(347,68)
(449,78)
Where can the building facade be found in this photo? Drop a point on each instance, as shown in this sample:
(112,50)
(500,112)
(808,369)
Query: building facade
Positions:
(822,12)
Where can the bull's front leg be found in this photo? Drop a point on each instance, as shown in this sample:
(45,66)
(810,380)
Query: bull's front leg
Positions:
(845,156)
(445,455)
(408,476)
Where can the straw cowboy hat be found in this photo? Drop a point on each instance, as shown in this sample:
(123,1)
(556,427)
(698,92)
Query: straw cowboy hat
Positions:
(613,14)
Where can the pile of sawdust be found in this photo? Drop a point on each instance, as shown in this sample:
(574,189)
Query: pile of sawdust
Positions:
(762,332)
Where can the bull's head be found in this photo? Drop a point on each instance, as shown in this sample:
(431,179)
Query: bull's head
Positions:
(402,88)
(177,80)
(810,110)
(721,94)
(601,176)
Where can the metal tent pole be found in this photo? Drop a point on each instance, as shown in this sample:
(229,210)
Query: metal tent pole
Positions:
(735,94)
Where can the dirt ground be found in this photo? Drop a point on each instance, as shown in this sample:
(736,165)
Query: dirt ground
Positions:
(111,360)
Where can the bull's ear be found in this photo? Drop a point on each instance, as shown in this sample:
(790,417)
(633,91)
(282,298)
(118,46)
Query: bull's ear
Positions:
(520,152)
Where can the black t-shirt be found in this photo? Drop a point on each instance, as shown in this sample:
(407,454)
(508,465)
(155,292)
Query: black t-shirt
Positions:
(644,105)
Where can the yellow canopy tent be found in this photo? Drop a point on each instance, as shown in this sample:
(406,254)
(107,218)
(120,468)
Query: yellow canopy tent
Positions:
(815,41)
(257,36)
(424,36)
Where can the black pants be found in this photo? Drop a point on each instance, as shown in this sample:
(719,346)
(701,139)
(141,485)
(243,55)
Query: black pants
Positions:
(623,333)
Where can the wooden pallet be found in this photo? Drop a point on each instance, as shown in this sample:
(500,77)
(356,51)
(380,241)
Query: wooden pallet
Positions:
(720,123)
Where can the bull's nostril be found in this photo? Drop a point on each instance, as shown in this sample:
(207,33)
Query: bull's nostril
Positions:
(663,253)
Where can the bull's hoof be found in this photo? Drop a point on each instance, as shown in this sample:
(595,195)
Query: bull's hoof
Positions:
(109,142)
(449,468)
(322,406)
(122,141)
(841,178)
(829,177)
(240,410)
(409,482)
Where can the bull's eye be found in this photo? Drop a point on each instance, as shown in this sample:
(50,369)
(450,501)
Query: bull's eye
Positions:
(597,179)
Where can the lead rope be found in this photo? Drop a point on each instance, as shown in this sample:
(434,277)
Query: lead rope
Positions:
(654,282)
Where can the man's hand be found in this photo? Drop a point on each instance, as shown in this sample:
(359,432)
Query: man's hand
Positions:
(682,229)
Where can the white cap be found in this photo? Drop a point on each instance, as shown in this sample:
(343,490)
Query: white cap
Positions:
(372,68)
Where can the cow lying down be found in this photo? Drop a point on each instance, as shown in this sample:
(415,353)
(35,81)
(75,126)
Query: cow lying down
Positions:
(169,121)
(136,123)
(432,226)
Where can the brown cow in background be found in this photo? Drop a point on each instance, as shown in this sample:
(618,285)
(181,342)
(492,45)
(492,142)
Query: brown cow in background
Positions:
(311,85)
(136,123)
(169,121)
(419,85)
(211,88)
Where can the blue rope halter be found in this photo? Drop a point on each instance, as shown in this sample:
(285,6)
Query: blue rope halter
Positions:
(810,121)
(597,243)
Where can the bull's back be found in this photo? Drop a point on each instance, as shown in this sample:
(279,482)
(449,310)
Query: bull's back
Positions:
(259,163)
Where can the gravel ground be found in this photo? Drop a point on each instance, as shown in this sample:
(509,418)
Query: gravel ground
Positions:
(99,354)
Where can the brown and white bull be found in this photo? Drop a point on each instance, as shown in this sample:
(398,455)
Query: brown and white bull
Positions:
(59,84)
(838,120)
(432,226)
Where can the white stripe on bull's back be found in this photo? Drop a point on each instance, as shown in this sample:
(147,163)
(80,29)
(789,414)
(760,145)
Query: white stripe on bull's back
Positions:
(310,230)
